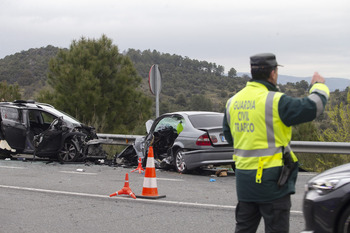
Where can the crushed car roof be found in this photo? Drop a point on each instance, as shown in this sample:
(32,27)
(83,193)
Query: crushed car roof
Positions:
(26,104)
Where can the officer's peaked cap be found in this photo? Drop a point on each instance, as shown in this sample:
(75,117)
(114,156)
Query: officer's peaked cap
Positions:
(263,60)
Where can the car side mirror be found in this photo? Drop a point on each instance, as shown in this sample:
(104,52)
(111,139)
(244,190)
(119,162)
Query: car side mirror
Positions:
(149,124)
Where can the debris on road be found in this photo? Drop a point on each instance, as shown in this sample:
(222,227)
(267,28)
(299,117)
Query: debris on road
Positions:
(221,172)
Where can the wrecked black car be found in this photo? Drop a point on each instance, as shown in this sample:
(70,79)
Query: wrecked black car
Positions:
(28,127)
(182,140)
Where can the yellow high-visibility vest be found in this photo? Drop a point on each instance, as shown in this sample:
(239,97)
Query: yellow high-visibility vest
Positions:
(260,137)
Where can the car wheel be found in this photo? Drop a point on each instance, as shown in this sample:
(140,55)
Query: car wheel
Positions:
(69,152)
(180,164)
(344,222)
(81,157)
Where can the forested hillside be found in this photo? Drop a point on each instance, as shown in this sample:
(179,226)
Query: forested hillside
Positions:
(28,69)
(187,84)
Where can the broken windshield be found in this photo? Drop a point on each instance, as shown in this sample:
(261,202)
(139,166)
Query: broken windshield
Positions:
(65,116)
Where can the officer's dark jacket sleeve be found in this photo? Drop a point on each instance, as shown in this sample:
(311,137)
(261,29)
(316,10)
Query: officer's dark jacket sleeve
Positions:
(294,111)
(226,129)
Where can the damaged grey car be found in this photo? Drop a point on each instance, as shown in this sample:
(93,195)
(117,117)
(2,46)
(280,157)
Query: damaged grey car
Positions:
(182,140)
(28,127)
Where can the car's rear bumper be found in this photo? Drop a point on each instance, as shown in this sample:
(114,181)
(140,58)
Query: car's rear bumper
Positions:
(216,156)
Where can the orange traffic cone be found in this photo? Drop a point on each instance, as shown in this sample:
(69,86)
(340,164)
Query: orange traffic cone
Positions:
(150,181)
(139,168)
(126,189)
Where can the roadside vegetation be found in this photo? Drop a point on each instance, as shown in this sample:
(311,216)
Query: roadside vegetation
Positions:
(101,86)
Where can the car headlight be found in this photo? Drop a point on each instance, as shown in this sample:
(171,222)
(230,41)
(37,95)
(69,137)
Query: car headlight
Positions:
(326,185)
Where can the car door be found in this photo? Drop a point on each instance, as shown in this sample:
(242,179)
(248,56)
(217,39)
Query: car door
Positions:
(51,138)
(13,127)
(165,133)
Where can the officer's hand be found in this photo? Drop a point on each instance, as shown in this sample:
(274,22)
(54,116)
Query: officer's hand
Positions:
(317,79)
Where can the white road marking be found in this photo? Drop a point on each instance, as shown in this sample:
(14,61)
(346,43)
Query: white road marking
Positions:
(82,173)
(12,167)
(128,198)
(169,179)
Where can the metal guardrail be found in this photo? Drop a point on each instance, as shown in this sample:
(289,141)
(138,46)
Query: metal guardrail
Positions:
(297,146)
(119,139)
(321,147)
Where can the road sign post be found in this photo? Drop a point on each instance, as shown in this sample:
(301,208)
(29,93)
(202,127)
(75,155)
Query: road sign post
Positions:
(154,81)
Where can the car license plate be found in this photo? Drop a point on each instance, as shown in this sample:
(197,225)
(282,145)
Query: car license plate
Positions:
(223,138)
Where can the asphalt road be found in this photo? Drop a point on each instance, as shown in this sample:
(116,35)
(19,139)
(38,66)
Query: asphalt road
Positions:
(52,197)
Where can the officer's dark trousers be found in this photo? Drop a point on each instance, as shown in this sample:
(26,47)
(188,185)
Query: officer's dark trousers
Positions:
(275,214)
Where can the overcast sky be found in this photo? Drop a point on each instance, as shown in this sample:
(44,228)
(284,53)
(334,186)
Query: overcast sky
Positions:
(305,35)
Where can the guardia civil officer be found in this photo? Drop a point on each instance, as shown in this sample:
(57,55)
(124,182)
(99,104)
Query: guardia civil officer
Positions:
(258,122)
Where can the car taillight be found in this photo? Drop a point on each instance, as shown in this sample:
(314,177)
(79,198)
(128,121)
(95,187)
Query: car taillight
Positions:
(214,139)
(203,140)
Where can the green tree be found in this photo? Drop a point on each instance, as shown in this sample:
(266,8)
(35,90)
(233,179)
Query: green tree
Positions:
(9,92)
(95,83)
(181,99)
(336,129)
(305,132)
(339,128)
(232,73)
(219,70)
(302,84)
(200,103)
